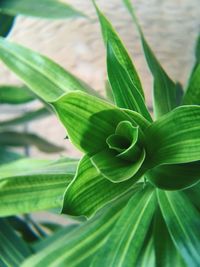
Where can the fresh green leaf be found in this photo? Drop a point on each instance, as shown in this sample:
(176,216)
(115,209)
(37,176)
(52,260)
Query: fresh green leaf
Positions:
(7,156)
(88,120)
(174,176)
(77,247)
(192,94)
(26,117)
(13,250)
(43,76)
(147,254)
(39,187)
(164,88)
(126,95)
(6,23)
(17,139)
(127,236)
(109,34)
(89,191)
(193,195)
(175,138)
(10,94)
(50,9)
(182,221)
(165,251)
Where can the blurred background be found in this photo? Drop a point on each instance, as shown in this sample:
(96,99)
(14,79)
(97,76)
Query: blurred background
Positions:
(170,26)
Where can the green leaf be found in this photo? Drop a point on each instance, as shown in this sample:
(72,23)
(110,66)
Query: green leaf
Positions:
(10,94)
(6,23)
(165,251)
(50,9)
(109,34)
(26,117)
(182,221)
(193,194)
(127,236)
(192,94)
(89,191)
(125,93)
(175,176)
(116,169)
(43,76)
(13,250)
(40,187)
(7,156)
(79,246)
(88,120)
(175,138)
(164,88)
(17,139)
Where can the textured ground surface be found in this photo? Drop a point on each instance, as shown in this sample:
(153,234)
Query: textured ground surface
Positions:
(171,28)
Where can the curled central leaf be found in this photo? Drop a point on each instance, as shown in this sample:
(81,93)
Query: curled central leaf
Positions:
(125,141)
(124,154)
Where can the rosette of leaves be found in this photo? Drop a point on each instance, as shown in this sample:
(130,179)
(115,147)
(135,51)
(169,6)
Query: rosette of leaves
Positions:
(138,181)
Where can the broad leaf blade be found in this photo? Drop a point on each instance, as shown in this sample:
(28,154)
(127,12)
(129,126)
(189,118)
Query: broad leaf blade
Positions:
(126,239)
(164,88)
(165,251)
(175,176)
(125,93)
(79,247)
(51,9)
(109,34)
(40,187)
(17,139)
(6,23)
(182,221)
(88,120)
(90,191)
(175,138)
(192,94)
(43,76)
(7,156)
(10,94)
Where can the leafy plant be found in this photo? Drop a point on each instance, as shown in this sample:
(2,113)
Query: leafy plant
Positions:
(137,184)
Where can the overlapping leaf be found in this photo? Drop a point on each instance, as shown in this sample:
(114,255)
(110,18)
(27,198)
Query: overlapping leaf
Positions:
(51,9)
(182,220)
(13,250)
(79,247)
(89,191)
(6,23)
(109,34)
(39,187)
(123,246)
(43,76)
(164,88)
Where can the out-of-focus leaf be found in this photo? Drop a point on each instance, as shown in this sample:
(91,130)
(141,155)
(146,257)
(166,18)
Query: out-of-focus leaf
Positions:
(13,250)
(43,76)
(6,23)
(78,247)
(126,95)
(7,156)
(51,9)
(24,190)
(182,220)
(89,190)
(109,34)
(10,94)
(23,228)
(123,246)
(17,139)
(26,117)
(164,88)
